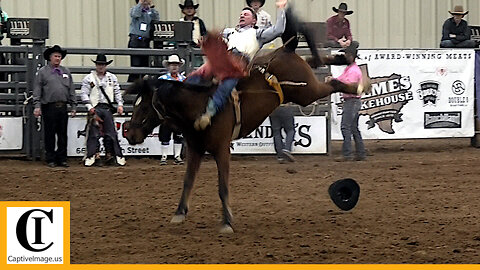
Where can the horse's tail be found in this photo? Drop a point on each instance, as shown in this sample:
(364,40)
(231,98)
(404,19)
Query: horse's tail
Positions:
(294,26)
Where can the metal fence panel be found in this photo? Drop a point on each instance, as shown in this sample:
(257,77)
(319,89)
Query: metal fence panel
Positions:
(375,23)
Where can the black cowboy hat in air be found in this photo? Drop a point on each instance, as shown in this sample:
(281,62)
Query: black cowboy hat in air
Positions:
(55,48)
(343,8)
(188,3)
(344,193)
(249,2)
(102,60)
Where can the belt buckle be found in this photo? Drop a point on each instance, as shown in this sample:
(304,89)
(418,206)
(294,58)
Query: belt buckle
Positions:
(59,104)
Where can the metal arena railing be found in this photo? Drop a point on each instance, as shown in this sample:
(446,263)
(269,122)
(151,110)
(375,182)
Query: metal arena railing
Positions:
(23,62)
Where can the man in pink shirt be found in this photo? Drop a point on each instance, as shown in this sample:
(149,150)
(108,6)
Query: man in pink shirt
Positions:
(351,106)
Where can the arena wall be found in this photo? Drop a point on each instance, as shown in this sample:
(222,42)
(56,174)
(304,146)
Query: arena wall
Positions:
(375,23)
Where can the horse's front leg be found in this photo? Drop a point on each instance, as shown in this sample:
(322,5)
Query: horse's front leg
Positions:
(222,158)
(193,164)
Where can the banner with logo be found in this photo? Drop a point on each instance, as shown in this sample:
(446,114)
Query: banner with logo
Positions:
(310,137)
(34,233)
(77,139)
(11,133)
(477,81)
(415,94)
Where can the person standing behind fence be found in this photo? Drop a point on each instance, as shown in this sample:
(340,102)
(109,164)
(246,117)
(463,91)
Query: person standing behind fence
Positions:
(351,107)
(3,29)
(199,29)
(99,88)
(264,20)
(173,64)
(53,89)
(338,28)
(142,14)
(455,31)
(282,117)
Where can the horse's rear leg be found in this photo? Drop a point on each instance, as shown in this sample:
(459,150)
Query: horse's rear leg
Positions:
(193,164)
(222,158)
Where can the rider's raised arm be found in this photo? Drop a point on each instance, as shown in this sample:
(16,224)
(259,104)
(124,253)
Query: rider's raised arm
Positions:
(227,32)
(268,34)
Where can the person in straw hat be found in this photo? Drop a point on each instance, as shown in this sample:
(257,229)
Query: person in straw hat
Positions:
(455,31)
(99,89)
(173,64)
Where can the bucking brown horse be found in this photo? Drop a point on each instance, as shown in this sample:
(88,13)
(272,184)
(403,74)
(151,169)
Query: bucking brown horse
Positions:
(178,104)
(275,78)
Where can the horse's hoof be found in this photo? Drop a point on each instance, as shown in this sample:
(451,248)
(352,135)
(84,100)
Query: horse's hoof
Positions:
(178,219)
(202,122)
(364,87)
(360,89)
(226,229)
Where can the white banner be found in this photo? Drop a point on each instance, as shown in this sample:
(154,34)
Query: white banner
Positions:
(11,133)
(310,138)
(415,94)
(77,140)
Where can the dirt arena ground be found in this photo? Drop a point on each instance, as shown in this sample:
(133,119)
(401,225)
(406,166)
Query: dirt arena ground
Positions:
(419,203)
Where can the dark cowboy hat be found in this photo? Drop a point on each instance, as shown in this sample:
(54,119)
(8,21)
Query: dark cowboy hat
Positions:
(458,10)
(343,8)
(102,60)
(344,193)
(55,48)
(249,2)
(352,49)
(188,3)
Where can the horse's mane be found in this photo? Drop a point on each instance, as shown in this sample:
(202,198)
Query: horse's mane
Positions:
(167,88)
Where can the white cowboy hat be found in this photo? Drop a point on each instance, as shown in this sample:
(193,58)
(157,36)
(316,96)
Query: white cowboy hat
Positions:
(173,59)
(458,10)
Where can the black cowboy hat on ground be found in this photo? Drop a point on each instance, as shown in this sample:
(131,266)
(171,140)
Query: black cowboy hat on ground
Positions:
(344,193)
(343,8)
(188,3)
(458,10)
(102,60)
(262,2)
(55,48)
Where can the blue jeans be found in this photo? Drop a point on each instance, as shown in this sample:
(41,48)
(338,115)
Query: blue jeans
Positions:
(349,127)
(464,44)
(282,117)
(224,90)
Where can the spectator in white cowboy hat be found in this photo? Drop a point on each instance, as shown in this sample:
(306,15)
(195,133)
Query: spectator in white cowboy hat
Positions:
(99,89)
(173,64)
(264,20)
(52,90)
(338,28)
(455,31)
(190,10)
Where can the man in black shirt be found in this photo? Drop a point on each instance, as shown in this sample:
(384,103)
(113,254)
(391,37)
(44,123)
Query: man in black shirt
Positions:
(455,32)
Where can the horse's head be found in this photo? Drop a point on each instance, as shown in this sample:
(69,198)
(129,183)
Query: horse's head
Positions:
(145,116)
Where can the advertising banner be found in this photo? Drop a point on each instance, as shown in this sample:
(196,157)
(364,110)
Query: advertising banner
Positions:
(415,94)
(11,133)
(310,138)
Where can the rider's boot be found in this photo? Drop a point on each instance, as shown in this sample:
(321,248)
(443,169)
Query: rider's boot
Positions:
(216,103)
(205,119)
